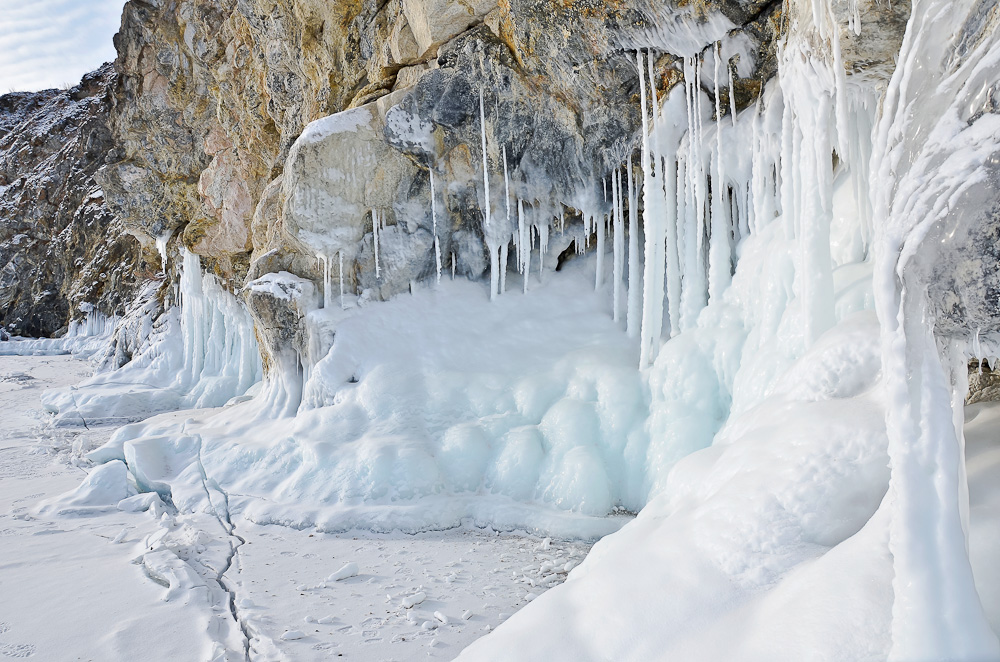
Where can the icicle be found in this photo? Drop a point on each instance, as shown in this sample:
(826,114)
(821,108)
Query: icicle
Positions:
(732,94)
(619,241)
(543,246)
(599,276)
(719,256)
(654,203)
(340,255)
(453,266)
(327,285)
(523,245)
(376,221)
(634,287)
(486,173)
(672,257)
(434,218)
(700,190)
(161,248)
(503,267)
(494,267)
(562,221)
(691,205)
(506,188)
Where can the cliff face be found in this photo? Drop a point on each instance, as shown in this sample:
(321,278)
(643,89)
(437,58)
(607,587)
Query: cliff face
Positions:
(209,142)
(62,250)
(212,97)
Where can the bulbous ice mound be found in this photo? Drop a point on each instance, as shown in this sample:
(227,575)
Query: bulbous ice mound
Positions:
(436,407)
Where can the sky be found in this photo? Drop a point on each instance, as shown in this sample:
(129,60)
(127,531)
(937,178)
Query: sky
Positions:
(52,43)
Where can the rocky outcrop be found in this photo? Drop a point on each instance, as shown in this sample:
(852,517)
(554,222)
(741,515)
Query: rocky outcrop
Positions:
(62,251)
(212,98)
(271,136)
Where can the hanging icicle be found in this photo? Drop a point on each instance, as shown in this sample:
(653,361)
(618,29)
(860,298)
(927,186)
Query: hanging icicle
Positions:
(618,241)
(437,245)
(719,259)
(340,258)
(376,222)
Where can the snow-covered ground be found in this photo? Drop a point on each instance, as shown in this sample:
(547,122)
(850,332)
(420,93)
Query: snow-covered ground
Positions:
(83,579)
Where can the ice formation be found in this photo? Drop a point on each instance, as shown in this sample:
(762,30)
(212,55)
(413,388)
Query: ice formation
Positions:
(200,354)
(749,342)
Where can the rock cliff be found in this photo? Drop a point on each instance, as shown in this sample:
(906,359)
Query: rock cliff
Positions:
(62,251)
(283,135)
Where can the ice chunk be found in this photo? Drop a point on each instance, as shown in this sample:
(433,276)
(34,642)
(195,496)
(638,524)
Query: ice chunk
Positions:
(347,571)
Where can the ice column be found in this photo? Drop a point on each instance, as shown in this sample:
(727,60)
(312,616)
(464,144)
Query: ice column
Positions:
(632,317)
(327,284)
(619,241)
(376,223)
(523,244)
(652,305)
(340,258)
(486,172)
(599,277)
(434,220)
(929,153)
(719,256)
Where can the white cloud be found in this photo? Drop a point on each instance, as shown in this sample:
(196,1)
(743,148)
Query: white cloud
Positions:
(50,43)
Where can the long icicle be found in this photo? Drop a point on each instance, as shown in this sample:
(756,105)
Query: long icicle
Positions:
(719,255)
(434,218)
(648,338)
(619,241)
(340,256)
(599,276)
(523,244)
(486,172)
(658,214)
(375,233)
(632,317)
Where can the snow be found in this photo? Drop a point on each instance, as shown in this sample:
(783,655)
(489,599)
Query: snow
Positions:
(345,122)
(85,339)
(132,576)
(288,287)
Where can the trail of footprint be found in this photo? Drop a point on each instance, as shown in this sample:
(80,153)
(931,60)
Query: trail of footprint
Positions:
(4,627)
(17,650)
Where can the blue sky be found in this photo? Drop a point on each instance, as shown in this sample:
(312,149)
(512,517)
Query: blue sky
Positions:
(48,43)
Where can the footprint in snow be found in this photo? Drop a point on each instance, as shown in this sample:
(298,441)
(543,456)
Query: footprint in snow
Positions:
(17,650)
(4,627)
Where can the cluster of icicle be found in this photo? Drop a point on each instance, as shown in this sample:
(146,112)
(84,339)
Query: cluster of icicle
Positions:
(221,356)
(689,233)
